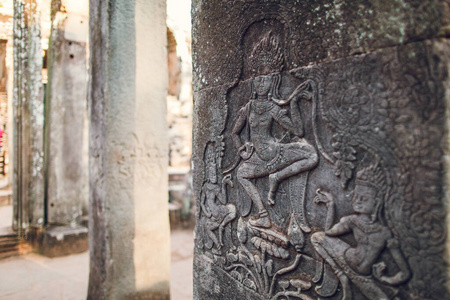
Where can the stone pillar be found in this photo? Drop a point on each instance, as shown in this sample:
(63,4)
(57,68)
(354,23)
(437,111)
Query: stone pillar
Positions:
(320,132)
(66,111)
(28,125)
(6,83)
(129,225)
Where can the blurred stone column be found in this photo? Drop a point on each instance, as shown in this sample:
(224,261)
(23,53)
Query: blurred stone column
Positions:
(65,114)
(27,153)
(128,220)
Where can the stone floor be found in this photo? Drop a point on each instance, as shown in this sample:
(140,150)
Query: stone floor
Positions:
(182,244)
(36,277)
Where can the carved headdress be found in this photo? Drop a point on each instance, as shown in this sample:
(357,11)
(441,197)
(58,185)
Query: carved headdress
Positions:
(371,176)
(267,56)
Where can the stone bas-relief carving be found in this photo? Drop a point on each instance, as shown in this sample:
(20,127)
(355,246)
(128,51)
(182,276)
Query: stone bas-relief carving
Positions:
(214,199)
(263,155)
(357,264)
(324,182)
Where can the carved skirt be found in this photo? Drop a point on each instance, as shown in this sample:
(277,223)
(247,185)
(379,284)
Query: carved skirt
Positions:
(285,155)
(219,212)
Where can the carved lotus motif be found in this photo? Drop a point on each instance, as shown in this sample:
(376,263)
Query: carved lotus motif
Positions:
(250,284)
(236,275)
(300,284)
(270,241)
(269,235)
(295,234)
(271,248)
(242,231)
(231,257)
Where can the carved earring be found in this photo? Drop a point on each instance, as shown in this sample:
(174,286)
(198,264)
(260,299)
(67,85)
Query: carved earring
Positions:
(269,95)
(376,214)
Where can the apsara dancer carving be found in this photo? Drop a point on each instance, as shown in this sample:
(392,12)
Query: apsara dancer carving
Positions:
(263,155)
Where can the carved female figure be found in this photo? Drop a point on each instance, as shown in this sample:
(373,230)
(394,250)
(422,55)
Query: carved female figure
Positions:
(358,263)
(263,155)
(213,200)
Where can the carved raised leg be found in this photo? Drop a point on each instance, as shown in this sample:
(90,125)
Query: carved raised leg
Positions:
(307,161)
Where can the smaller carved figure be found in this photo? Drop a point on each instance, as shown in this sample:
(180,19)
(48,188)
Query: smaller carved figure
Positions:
(358,264)
(213,200)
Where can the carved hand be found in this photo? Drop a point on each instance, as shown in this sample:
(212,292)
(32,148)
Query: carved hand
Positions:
(246,151)
(378,270)
(304,86)
(227,180)
(282,113)
(302,91)
(208,214)
(323,197)
(402,275)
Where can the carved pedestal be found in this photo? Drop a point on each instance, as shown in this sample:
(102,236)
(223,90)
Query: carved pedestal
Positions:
(319,150)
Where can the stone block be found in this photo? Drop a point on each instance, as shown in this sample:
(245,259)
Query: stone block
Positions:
(312,31)
(61,240)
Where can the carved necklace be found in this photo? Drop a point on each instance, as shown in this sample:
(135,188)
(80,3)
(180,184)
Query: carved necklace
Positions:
(262,106)
(368,226)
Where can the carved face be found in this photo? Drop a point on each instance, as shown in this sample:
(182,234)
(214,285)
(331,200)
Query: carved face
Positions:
(364,199)
(262,84)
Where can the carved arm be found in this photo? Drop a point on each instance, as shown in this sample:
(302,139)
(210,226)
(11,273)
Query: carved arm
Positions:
(297,118)
(402,275)
(294,124)
(340,228)
(202,204)
(223,195)
(238,125)
(287,123)
(326,198)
